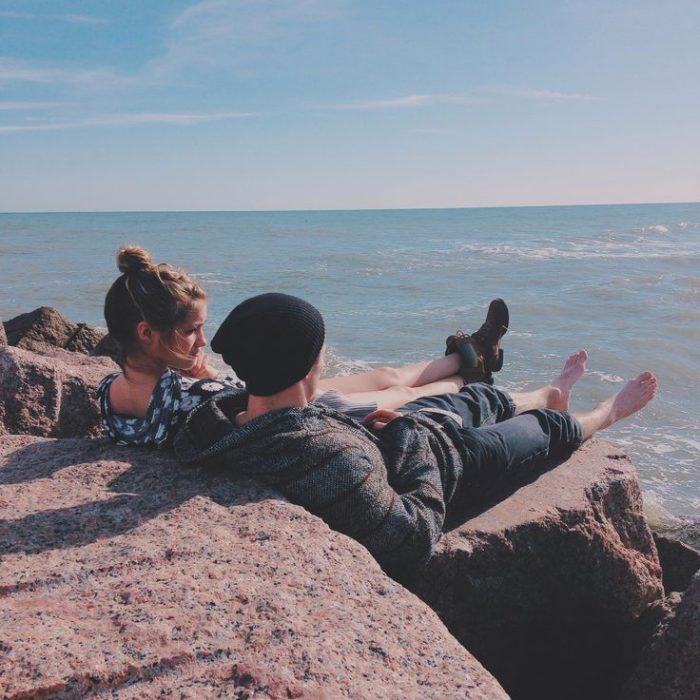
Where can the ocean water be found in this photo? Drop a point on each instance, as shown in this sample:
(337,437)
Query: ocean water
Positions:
(622,281)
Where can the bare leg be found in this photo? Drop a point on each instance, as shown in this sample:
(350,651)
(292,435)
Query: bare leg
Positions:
(396,396)
(554,395)
(631,398)
(415,375)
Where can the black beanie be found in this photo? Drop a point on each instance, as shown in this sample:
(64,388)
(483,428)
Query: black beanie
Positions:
(271,341)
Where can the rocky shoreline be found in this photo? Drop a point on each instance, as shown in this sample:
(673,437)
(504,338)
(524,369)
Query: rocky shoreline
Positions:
(126,575)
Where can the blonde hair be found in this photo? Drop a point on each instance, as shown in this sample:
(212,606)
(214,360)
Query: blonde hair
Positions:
(161,295)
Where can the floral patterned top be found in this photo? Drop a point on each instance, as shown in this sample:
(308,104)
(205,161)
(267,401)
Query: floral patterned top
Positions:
(173,397)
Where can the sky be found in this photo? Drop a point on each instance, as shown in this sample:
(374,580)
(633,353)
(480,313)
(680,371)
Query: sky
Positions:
(173,105)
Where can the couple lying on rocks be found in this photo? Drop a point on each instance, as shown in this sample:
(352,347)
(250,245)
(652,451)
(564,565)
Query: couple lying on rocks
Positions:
(378,455)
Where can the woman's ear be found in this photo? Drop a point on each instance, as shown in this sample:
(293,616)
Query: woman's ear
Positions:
(144,333)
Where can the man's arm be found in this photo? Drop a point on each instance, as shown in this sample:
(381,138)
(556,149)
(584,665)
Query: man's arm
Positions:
(348,488)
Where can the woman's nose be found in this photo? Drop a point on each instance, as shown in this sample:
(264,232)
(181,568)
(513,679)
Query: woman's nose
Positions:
(201,339)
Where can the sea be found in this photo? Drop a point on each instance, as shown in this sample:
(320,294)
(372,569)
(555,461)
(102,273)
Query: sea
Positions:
(622,281)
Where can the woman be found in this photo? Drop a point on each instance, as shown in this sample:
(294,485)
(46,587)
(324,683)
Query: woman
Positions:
(156,315)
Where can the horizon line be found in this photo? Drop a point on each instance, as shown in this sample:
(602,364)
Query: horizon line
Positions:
(339,210)
(333,209)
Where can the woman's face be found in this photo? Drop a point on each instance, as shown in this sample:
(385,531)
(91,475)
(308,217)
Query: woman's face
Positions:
(188,339)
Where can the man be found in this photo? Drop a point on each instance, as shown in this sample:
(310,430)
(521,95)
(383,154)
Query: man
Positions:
(387,483)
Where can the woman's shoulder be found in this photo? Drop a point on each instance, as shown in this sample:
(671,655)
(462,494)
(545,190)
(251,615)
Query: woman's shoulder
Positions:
(160,415)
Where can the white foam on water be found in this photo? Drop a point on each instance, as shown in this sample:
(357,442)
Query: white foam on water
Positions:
(661,448)
(339,366)
(658,228)
(592,250)
(609,378)
(690,443)
(657,512)
(510,250)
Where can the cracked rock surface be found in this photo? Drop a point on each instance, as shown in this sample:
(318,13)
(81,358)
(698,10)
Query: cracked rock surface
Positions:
(50,394)
(124,575)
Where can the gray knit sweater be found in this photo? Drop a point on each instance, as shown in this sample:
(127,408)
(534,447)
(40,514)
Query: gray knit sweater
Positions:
(388,491)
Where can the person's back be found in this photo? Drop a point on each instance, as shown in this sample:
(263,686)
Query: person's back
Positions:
(387,492)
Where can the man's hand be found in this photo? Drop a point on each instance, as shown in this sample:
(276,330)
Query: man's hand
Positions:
(200,369)
(381,417)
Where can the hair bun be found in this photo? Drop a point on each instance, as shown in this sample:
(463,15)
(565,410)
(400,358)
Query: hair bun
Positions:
(133,258)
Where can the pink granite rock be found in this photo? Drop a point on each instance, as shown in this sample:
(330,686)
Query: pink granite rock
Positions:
(669,668)
(47,327)
(52,394)
(43,326)
(127,576)
(545,586)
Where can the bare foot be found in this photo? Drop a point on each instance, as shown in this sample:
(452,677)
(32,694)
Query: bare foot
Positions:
(573,371)
(557,394)
(631,398)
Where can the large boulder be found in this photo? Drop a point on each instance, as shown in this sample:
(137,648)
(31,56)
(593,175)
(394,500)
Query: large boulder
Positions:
(52,394)
(669,667)
(546,586)
(125,575)
(3,335)
(43,326)
(47,327)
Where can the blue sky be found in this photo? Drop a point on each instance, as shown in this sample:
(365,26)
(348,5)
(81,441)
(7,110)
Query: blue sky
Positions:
(341,104)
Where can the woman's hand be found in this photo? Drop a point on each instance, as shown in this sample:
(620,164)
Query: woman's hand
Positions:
(381,417)
(200,369)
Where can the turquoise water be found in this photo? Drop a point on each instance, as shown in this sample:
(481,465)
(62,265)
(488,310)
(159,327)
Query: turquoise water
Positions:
(622,281)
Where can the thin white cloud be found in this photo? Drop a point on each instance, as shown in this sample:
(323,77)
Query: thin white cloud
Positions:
(411,101)
(547,95)
(11,70)
(237,32)
(9,14)
(71,18)
(166,118)
(130,120)
(207,14)
(82,19)
(199,10)
(21,71)
(434,132)
(7,105)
